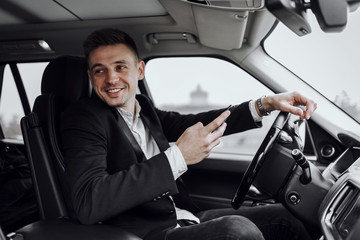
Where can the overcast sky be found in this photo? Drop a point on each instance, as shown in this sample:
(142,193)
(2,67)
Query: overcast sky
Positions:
(328,61)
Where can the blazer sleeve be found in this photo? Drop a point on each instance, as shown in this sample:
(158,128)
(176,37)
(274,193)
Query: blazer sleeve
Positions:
(98,194)
(174,124)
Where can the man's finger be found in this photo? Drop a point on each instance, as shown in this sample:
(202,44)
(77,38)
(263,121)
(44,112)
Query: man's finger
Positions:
(310,105)
(217,122)
(310,108)
(295,110)
(219,132)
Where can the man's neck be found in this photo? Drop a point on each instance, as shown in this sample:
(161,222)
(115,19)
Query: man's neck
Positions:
(134,111)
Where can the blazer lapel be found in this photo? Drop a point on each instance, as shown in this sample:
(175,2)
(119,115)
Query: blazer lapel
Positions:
(125,129)
(155,130)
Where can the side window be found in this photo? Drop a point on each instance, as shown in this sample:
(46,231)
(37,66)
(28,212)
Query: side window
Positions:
(191,85)
(11,110)
(31,74)
(10,107)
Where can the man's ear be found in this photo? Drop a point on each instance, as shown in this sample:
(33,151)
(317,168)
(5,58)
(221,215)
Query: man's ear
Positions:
(141,68)
(90,78)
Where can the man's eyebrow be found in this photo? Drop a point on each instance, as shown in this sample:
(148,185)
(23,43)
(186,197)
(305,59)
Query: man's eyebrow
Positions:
(116,62)
(121,61)
(95,65)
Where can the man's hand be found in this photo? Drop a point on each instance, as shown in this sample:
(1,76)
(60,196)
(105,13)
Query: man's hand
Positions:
(197,141)
(289,102)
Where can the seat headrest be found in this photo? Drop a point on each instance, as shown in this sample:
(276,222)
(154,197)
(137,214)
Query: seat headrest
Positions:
(66,76)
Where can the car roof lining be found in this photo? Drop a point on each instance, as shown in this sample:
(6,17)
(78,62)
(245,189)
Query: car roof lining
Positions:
(178,17)
(71,10)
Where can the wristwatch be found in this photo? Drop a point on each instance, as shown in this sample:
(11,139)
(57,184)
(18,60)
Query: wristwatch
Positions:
(261,108)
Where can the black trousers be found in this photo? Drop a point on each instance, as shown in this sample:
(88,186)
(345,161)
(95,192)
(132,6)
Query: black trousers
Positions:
(270,222)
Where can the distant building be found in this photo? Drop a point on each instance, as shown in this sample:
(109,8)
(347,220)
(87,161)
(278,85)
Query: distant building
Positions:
(199,97)
(198,103)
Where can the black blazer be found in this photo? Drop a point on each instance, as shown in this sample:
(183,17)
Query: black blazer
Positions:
(108,178)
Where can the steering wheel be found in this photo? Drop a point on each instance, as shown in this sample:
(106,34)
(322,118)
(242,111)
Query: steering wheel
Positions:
(259,158)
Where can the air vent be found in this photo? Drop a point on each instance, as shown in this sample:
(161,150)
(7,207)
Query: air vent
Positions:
(349,139)
(342,213)
(343,199)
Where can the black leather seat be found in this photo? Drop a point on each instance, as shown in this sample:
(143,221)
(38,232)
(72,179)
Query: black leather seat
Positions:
(64,81)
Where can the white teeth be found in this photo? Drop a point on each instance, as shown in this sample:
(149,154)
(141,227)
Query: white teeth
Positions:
(114,90)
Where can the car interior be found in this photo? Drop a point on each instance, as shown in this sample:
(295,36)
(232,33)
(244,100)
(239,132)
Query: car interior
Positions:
(311,167)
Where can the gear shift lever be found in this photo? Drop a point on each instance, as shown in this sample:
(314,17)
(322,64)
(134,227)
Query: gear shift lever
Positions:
(300,159)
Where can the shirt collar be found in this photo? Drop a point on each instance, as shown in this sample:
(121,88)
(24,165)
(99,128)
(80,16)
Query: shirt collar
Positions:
(128,117)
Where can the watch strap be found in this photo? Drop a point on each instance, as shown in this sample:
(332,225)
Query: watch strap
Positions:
(261,108)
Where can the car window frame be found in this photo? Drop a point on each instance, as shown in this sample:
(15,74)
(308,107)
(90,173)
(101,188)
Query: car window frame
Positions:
(2,70)
(20,88)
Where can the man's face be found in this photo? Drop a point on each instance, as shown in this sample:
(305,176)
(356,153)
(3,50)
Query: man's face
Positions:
(114,72)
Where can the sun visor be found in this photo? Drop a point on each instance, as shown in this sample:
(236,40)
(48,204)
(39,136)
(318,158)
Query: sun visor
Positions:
(222,24)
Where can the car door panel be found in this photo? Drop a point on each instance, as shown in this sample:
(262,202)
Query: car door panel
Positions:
(213,182)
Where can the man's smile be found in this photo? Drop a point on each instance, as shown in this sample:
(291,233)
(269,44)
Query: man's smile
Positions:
(113,90)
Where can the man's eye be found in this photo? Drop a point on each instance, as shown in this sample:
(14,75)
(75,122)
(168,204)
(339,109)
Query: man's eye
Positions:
(120,67)
(98,71)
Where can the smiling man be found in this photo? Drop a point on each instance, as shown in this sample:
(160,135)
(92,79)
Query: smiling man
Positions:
(122,171)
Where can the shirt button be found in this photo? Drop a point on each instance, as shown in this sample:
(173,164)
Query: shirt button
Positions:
(165,194)
(157,198)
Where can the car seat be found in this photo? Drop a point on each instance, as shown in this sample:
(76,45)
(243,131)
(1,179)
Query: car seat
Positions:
(64,81)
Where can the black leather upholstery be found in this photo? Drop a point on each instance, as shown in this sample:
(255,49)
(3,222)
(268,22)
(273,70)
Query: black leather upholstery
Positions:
(67,77)
(64,81)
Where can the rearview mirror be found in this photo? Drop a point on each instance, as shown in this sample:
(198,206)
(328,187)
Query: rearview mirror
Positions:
(331,14)
(291,13)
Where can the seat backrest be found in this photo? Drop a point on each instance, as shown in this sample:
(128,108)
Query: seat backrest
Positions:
(64,81)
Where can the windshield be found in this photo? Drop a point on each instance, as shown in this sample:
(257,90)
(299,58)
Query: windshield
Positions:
(329,62)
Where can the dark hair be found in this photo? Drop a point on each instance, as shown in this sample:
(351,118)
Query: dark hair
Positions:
(106,37)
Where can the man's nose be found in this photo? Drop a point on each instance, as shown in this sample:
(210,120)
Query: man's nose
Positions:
(112,77)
